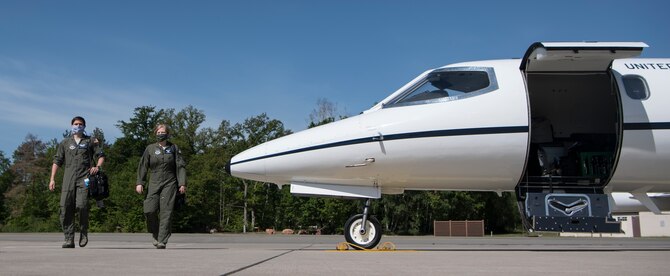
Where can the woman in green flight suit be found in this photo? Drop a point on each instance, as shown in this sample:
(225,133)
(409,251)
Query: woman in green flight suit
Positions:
(167,173)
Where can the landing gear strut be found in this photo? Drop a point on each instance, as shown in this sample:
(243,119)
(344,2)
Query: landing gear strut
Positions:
(363,230)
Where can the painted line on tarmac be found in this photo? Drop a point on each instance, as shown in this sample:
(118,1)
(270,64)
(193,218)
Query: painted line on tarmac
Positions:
(262,261)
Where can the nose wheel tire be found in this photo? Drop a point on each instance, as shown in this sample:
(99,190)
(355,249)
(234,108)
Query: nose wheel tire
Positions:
(367,240)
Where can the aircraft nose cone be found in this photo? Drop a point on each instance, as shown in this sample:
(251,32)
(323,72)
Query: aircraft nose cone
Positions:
(248,164)
(228,167)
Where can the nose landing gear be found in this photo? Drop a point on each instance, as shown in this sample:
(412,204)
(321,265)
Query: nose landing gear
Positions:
(362,230)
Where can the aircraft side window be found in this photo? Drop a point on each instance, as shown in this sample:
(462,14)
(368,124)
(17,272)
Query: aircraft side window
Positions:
(636,87)
(449,84)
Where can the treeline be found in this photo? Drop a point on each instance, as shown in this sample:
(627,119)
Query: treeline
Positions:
(215,200)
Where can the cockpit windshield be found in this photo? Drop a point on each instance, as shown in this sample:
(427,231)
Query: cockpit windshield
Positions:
(448,84)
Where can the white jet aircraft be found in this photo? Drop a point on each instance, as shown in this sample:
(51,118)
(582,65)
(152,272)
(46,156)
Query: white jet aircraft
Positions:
(569,127)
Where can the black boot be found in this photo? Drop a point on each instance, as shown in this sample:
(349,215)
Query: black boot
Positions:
(69,243)
(83,239)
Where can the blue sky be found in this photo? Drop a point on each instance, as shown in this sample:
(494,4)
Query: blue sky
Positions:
(237,59)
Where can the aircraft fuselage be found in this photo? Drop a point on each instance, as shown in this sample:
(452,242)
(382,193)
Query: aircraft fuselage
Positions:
(569,121)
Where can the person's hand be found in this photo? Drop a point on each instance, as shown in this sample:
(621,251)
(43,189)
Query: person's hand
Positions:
(52,185)
(93,170)
(182,189)
(139,189)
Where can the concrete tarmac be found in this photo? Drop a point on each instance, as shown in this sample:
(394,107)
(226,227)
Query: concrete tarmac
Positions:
(261,254)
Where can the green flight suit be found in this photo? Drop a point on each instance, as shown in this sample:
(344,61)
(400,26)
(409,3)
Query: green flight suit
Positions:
(76,160)
(167,172)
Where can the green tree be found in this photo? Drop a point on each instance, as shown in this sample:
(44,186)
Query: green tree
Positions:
(501,214)
(6,179)
(138,131)
(185,125)
(203,195)
(33,207)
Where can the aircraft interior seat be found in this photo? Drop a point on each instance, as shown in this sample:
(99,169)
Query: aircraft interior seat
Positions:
(554,158)
(542,137)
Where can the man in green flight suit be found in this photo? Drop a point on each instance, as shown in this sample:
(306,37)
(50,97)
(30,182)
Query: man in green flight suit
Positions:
(76,153)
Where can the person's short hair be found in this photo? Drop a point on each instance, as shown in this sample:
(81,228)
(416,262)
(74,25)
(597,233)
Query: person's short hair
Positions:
(78,118)
(167,129)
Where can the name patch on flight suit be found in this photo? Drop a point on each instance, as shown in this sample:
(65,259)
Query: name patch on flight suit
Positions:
(168,150)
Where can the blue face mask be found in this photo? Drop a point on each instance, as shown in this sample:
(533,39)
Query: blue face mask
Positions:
(78,129)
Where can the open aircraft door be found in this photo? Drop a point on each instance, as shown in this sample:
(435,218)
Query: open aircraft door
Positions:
(577,57)
(576,134)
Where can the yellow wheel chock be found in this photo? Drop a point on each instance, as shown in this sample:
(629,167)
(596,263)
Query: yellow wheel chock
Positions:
(386,246)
